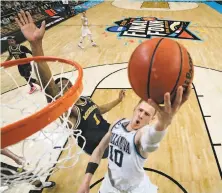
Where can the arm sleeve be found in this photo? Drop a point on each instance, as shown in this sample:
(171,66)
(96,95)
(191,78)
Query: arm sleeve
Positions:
(151,138)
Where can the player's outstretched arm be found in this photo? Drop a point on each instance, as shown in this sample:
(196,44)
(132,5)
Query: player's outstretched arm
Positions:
(107,107)
(8,153)
(9,58)
(94,162)
(35,36)
(149,137)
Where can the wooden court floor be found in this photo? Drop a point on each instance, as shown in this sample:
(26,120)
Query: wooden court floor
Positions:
(186,154)
(155,5)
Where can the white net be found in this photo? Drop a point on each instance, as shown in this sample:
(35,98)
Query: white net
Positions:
(41,150)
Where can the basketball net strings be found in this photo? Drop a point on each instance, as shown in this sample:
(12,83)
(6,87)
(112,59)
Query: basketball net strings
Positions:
(57,137)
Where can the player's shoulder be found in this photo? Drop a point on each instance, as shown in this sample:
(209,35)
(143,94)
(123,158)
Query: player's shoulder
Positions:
(22,46)
(86,98)
(117,123)
(86,101)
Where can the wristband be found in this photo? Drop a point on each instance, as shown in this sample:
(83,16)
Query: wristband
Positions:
(91,167)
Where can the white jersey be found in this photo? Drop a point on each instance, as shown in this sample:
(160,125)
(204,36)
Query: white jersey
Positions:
(85,21)
(125,168)
(85,29)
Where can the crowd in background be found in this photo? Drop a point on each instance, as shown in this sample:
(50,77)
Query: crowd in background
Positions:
(10,9)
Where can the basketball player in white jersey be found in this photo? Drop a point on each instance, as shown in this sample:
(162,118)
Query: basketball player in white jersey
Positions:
(130,143)
(85,31)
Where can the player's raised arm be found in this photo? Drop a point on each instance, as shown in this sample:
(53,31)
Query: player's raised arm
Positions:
(35,36)
(149,137)
(107,107)
(94,162)
(16,158)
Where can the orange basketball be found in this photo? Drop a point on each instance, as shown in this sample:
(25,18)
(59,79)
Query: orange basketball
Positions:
(158,66)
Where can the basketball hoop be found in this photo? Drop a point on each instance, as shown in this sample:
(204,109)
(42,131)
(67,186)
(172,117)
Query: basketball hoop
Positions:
(47,122)
(21,129)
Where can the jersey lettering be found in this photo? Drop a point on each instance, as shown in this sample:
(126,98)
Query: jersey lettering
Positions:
(89,111)
(120,142)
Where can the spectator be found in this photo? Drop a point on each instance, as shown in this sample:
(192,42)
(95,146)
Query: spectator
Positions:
(12,18)
(23,4)
(8,5)
(16,3)
(30,11)
(39,10)
(67,7)
(5,21)
(17,6)
(30,5)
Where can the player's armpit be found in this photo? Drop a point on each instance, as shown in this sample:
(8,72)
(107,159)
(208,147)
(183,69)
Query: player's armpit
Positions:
(25,49)
(104,143)
(75,116)
(9,57)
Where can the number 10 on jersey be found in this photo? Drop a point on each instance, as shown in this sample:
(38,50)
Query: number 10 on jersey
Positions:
(116,156)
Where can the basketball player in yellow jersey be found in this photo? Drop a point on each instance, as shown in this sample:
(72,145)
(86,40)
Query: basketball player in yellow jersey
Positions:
(130,143)
(87,116)
(85,31)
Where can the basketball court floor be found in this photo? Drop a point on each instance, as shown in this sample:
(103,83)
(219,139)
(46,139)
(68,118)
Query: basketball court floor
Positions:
(189,159)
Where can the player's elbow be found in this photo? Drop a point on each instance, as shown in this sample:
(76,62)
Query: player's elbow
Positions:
(102,110)
(99,152)
(150,147)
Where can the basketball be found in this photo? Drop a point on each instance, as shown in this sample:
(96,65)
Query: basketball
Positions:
(158,66)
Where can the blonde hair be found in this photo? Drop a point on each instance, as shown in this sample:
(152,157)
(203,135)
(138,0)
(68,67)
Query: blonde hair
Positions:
(140,101)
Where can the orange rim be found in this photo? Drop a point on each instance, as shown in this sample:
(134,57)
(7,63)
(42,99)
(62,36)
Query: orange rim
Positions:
(23,128)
